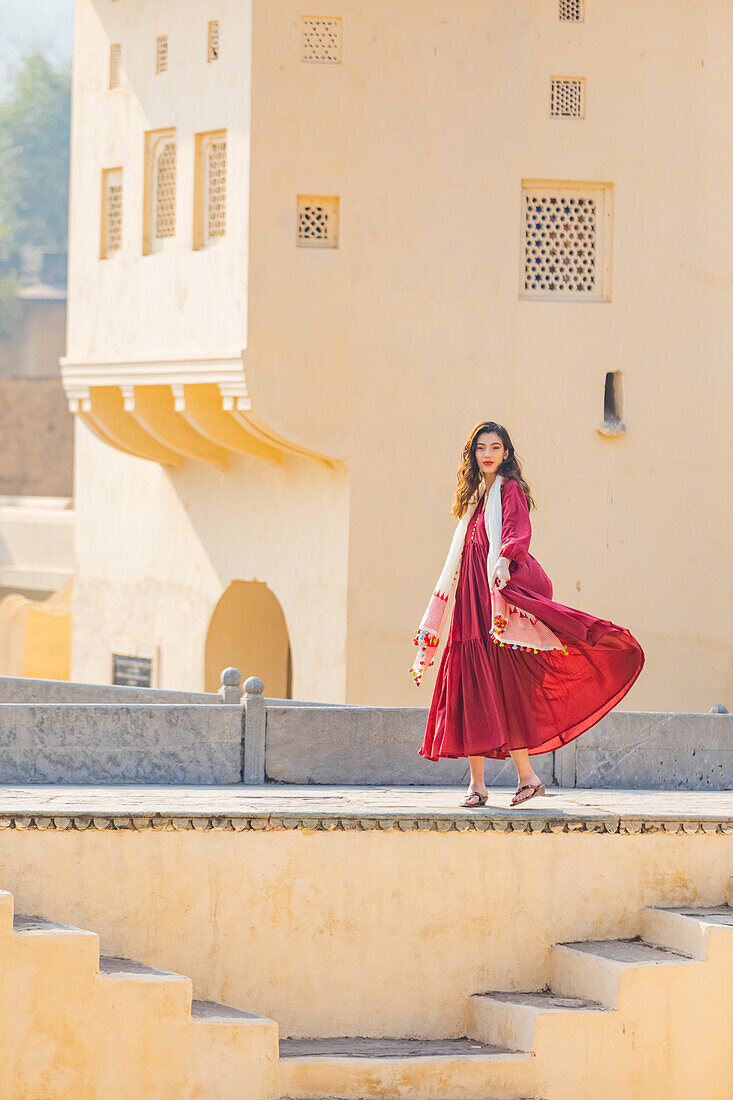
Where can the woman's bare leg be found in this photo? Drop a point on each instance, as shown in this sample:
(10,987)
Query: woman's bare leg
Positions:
(477,784)
(525,771)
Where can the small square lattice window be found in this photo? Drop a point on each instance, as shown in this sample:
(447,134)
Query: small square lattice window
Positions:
(572,11)
(567,97)
(115,57)
(210,188)
(111,212)
(566,241)
(318,221)
(159,209)
(213,49)
(321,39)
(161,53)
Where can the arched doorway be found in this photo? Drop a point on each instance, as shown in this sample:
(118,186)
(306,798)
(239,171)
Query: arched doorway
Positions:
(248,630)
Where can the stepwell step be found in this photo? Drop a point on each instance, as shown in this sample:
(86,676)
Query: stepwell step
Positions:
(131,968)
(626,952)
(40,924)
(689,929)
(545,1001)
(391,1069)
(509,1019)
(387,1048)
(212,1011)
(593,969)
(712,914)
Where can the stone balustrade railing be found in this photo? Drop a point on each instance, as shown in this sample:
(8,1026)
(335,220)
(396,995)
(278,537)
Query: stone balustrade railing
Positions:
(52,732)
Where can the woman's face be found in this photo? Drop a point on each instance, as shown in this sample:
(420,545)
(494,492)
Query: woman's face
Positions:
(490,452)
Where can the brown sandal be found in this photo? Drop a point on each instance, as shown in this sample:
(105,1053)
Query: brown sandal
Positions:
(480,799)
(535,788)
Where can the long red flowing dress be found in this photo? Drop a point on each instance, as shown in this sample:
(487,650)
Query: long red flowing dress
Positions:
(488,698)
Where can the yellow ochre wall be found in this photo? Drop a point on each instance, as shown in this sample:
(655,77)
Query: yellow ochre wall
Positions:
(248,630)
(35,635)
(383,352)
(393,930)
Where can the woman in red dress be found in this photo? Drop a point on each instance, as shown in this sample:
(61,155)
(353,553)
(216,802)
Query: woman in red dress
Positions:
(498,700)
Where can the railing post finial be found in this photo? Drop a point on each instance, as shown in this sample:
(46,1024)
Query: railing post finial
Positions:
(230,690)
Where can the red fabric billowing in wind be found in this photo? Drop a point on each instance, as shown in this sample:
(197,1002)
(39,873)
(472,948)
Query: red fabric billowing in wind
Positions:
(489,699)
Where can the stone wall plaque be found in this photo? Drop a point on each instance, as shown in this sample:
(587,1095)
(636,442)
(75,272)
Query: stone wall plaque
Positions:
(132,671)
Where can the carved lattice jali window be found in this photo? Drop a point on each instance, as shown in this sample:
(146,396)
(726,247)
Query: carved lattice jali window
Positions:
(159,205)
(111,212)
(164,189)
(567,97)
(317,221)
(572,11)
(213,48)
(321,39)
(161,53)
(566,241)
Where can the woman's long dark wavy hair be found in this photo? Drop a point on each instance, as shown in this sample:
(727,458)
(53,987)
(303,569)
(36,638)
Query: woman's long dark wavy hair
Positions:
(469,476)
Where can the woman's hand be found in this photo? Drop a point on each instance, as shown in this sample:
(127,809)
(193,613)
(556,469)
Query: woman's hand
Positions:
(501,575)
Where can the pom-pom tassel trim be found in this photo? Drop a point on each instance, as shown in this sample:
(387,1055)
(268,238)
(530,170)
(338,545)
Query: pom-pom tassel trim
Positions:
(529,648)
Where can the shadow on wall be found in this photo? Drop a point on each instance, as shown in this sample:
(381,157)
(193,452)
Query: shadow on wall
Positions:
(248,630)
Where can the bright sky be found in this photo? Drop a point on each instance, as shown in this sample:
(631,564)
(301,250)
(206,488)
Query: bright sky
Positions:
(48,24)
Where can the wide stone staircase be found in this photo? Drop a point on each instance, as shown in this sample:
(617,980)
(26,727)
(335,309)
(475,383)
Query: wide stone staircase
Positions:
(645,1017)
(77,1025)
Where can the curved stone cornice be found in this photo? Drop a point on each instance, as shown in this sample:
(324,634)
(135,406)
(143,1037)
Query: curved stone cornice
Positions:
(537,825)
(169,410)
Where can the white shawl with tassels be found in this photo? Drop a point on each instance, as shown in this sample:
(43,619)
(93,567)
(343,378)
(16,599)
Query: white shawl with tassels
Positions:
(510,626)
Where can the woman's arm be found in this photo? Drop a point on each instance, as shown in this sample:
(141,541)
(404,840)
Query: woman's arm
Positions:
(516,529)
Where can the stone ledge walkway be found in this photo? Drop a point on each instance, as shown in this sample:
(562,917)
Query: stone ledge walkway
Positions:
(275,801)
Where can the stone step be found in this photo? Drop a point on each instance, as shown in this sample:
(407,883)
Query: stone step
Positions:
(130,1022)
(32,924)
(689,930)
(212,1012)
(510,1019)
(594,969)
(133,986)
(389,1069)
(42,944)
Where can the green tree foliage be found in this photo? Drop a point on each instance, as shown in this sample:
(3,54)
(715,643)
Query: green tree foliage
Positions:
(34,155)
(9,308)
(34,170)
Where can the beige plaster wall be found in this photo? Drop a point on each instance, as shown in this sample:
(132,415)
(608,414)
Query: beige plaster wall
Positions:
(394,930)
(157,549)
(414,328)
(177,302)
(385,351)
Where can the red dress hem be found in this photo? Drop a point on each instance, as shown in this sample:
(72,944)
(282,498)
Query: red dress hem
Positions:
(560,739)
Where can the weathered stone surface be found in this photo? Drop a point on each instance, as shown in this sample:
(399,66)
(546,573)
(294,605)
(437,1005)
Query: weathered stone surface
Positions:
(651,750)
(272,806)
(386,1048)
(97,743)
(322,745)
(359,745)
(22,689)
(379,746)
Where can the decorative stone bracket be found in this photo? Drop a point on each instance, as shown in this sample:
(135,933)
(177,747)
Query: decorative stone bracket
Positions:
(168,411)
